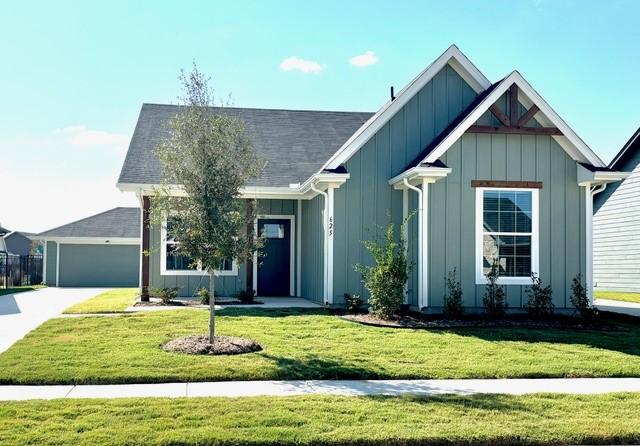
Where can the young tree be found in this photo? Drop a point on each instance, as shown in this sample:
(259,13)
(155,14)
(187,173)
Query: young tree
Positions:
(206,158)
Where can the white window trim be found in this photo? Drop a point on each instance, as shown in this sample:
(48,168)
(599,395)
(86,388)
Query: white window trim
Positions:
(535,236)
(185,272)
(292,250)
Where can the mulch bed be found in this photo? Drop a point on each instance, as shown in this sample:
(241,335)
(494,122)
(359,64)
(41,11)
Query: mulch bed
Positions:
(223,345)
(429,322)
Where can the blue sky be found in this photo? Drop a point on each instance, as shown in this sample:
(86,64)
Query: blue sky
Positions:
(74,74)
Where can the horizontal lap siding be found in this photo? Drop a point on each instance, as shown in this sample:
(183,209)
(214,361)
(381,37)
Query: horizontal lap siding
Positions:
(616,233)
(367,201)
(452,213)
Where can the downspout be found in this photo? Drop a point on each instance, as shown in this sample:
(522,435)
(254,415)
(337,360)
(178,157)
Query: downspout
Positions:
(420,236)
(589,234)
(325,225)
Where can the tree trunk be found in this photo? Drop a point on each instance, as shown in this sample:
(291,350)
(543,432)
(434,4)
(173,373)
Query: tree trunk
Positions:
(212,307)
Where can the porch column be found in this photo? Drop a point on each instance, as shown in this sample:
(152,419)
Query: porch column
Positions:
(144,258)
(329,243)
(299,248)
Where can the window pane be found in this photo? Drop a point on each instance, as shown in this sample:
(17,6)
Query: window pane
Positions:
(227,265)
(522,266)
(491,199)
(507,221)
(523,221)
(489,251)
(273,230)
(491,221)
(507,201)
(523,246)
(523,201)
(177,261)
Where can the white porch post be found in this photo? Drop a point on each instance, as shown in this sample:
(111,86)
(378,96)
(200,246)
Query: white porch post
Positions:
(329,242)
(299,248)
(424,206)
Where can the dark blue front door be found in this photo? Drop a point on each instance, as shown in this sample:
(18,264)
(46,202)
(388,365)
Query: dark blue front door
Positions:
(274,266)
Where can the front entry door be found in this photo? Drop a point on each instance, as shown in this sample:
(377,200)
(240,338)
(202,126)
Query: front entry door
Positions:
(274,266)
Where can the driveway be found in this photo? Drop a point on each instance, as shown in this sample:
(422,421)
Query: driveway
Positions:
(22,312)
(618,306)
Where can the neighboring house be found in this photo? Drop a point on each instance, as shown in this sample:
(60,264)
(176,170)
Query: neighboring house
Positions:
(101,250)
(19,242)
(489,168)
(616,225)
(3,231)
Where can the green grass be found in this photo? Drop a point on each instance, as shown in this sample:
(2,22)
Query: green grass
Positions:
(617,295)
(306,344)
(19,289)
(112,301)
(328,420)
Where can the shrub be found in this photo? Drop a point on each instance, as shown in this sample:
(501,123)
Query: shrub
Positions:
(246,296)
(166,295)
(204,296)
(540,298)
(386,278)
(453,298)
(580,299)
(354,302)
(494,300)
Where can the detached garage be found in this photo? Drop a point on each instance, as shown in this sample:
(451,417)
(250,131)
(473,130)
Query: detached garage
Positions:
(98,251)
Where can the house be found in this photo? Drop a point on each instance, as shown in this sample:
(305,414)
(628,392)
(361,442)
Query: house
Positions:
(3,232)
(102,250)
(616,225)
(490,170)
(21,243)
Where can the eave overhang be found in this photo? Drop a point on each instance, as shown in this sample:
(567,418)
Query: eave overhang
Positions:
(589,176)
(298,191)
(418,175)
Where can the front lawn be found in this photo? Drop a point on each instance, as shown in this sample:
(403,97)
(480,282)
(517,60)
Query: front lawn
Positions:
(19,289)
(306,344)
(112,301)
(329,420)
(617,295)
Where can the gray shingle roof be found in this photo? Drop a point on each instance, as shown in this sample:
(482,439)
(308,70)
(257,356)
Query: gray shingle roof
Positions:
(114,223)
(295,144)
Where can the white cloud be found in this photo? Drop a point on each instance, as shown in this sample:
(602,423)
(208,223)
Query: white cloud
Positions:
(296,63)
(82,137)
(364,60)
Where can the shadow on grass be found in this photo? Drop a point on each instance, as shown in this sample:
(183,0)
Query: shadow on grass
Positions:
(316,368)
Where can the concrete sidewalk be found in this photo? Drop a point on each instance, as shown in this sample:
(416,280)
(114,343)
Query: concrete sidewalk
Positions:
(317,387)
(618,306)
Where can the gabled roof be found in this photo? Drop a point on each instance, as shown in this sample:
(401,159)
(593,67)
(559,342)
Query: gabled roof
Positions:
(294,143)
(632,145)
(121,222)
(452,56)
(569,141)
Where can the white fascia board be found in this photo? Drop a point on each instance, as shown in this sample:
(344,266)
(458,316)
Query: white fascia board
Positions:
(586,177)
(416,175)
(452,56)
(93,240)
(573,145)
(322,180)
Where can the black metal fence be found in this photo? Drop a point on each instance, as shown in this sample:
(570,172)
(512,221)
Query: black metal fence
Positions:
(16,270)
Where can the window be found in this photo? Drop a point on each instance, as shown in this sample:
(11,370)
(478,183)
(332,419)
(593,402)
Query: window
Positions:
(273,230)
(172,262)
(507,231)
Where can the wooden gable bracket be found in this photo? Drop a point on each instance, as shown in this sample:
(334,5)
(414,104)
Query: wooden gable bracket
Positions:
(513,124)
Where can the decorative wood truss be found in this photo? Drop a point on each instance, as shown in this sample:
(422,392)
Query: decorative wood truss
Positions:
(514,124)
